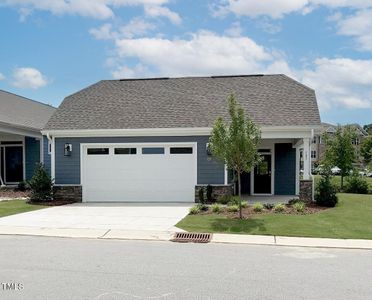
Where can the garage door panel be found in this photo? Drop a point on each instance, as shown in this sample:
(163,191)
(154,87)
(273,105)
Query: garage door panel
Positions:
(139,177)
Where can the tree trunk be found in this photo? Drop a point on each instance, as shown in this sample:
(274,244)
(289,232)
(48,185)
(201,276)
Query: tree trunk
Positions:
(240,196)
(342,183)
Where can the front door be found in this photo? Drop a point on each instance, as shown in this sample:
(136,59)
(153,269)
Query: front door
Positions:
(13,164)
(262,175)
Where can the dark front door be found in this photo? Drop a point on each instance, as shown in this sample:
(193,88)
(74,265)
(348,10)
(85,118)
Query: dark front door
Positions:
(13,159)
(262,175)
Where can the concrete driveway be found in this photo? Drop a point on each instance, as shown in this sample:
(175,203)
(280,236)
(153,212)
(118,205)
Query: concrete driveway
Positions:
(125,216)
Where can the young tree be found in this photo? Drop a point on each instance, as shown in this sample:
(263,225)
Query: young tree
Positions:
(366,150)
(235,143)
(340,151)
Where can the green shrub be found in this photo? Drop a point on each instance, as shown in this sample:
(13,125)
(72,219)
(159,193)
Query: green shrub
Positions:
(233,208)
(258,207)
(216,208)
(202,206)
(41,185)
(194,210)
(356,184)
(268,206)
(280,207)
(224,199)
(22,186)
(293,201)
(234,200)
(201,195)
(299,206)
(209,193)
(325,194)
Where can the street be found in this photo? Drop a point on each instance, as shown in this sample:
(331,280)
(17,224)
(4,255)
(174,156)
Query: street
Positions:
(62,268)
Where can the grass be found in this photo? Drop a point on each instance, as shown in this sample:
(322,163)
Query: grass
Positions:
(13,207)
(336,180)
(351,218)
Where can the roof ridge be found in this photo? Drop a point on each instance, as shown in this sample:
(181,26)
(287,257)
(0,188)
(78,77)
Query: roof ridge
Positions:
(28,99)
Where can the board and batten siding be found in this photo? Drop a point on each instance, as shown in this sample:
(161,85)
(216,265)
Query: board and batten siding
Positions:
(32,152)
(285,169)
(67,168)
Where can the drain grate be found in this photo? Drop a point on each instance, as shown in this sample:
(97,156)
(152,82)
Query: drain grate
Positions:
(189,237)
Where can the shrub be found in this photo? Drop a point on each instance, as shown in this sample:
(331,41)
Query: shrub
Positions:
(224,199)
(234,200)
(268,206)
(299,206)
(233,208)
(356,184)
(293,201)
(280,207)
(201,195)
(325,194)
(41,185)
(202,206)
(216,208)
(244,204)
(258,207)
(22,186)
(194,210)
(209,193)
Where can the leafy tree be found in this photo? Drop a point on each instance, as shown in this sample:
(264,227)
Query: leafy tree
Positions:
(366,150)
(325,193)
(368,128)
(41,185)
(235,143)
(340,151)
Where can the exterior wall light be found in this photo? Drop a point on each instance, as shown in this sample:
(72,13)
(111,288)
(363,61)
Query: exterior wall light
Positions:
(68,149)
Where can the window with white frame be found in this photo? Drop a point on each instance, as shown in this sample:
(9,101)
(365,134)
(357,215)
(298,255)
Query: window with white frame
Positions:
(314,139)
(313,153)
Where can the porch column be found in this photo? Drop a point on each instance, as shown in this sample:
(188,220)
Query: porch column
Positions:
(307,159)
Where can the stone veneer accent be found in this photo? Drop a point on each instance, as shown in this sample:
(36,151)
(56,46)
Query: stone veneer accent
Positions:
(68,193)
(218,190)
(306,190)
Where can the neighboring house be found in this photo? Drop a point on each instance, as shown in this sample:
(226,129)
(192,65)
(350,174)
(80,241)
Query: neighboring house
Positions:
(146,139)
(21,121)
(318,146)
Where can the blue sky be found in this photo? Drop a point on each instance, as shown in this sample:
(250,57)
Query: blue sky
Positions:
(50,49)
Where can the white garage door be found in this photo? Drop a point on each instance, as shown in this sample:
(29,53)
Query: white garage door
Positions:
(138,172)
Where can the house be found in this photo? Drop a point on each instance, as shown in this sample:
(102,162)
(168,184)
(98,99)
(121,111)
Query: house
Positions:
(146,139)
(21,121)
(318,146)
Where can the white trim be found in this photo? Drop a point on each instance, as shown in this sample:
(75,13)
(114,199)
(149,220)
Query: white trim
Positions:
(23,145)
(225,175)
(272,155)
(266,132)
(53,159)
(24,158)
(19,130)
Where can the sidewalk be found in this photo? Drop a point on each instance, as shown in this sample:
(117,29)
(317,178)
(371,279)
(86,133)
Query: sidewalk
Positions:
(167,235)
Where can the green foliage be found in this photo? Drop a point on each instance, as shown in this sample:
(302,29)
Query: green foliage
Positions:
(356,184)
(244,204)
(209,193)
(233,208)
(235,200)
(280,207)
(299,206)
(293,201)
(325,193)
(224,199)
(202,206)
(201,195)
(194,210)
(366,150)
(268,206)
(41,185)
(368,128)
(236,143)
(216,208)
(340,151)
(258,207)
(22,186)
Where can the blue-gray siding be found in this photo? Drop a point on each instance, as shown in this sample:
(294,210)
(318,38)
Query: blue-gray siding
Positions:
(67,168)
(285,169)
(47,158)
(32,152)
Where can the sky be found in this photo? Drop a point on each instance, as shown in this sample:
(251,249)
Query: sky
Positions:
(51,49)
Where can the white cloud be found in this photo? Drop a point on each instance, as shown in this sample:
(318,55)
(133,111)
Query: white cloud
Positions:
(235,30)
(126,72)
(341,82)
(28,78)
(2,77)
(161,11)
(278,8)
(359,26)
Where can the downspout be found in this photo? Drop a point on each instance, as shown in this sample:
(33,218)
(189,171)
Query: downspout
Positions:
(311,175)
(1,178)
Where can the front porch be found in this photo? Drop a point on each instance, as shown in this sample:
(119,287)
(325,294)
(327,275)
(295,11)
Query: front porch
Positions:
(273,199)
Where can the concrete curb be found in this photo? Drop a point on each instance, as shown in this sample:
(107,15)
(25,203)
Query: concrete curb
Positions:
(118,234)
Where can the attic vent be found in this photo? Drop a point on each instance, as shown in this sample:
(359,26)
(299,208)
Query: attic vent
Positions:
(190,237)
(142,79)
(233,76)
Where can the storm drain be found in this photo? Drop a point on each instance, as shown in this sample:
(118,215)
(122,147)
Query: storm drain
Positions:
(189,237)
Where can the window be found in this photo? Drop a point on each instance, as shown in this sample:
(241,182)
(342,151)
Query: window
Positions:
(12,143)
(264,150)
(153,150)
(49,147)
(181,150)
(98,151)
(125,150)
(313,154)
(355,141)
(314,139)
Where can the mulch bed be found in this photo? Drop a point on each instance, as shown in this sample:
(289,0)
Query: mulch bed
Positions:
(13,193)
(53,203)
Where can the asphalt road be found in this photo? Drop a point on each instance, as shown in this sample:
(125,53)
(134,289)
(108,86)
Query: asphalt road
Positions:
(57,268)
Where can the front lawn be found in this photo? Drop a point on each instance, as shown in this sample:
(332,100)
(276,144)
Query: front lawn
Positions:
(351,218)
(336,180)
(13,207)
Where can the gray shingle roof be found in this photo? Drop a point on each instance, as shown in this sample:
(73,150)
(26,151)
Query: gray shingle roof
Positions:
(22,112)
(271,100)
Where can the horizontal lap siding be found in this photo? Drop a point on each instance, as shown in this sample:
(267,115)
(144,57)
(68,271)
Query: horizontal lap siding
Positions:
(285,169)
(47,158)
(68,167)
(32,151)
